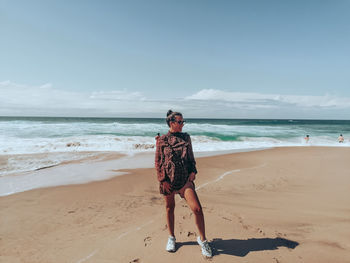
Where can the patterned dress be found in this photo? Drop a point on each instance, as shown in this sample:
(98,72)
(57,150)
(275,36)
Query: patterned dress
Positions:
(174,160)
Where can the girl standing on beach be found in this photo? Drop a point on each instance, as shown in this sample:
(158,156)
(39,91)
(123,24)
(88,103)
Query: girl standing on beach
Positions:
(176,171)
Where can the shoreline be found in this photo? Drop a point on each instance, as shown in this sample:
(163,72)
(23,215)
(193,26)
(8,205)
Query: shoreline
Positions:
(104,166)
(72,171)
(282,204)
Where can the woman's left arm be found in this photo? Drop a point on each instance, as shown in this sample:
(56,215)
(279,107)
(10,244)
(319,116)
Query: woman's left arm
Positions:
(191,161)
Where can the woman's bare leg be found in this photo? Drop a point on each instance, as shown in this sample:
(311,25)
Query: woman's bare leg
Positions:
(193,202)
(170,218)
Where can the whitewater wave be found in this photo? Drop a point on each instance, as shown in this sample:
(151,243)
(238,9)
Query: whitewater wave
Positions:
(52,141)
(128,144)
(36,153)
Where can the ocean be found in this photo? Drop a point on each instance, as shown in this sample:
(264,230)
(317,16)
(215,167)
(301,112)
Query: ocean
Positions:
(31,143)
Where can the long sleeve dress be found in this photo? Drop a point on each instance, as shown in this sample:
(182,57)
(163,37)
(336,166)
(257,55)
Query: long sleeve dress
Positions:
(174,160)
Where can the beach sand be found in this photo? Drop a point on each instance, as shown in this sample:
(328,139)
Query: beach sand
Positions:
(275,205)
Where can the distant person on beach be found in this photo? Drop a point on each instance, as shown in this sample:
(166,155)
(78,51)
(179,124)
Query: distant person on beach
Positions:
(176,172)
(307,138)
(341,138)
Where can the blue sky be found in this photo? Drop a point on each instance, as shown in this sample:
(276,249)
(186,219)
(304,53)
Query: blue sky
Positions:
(223,59)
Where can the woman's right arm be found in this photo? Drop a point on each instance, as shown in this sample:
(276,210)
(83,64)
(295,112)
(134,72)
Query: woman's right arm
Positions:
(158,161)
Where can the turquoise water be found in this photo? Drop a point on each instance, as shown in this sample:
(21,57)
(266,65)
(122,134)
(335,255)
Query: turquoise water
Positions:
(222,129)
(50,141)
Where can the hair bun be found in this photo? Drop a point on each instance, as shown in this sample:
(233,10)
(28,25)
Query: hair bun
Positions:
(169,112)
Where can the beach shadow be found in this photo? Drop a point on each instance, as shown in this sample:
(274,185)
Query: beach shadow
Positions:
(241,247)
(187,243)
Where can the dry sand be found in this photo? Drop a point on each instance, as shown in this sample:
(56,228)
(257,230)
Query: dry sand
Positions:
(277,205)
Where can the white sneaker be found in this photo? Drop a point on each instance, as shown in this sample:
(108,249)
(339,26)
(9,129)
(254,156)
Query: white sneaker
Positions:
(206,250)
(170,246)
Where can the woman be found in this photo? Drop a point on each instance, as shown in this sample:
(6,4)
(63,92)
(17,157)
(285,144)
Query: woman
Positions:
(176,171)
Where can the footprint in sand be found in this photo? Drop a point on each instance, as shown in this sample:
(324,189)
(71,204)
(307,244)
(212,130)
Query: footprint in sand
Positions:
(147,241)
(136,260)
(156,200)
(246,227)
(189,234)
(260,231)
(279,234)
(187,216)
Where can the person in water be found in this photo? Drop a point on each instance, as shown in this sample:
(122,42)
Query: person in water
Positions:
(341,138)
(176,172)
(307,138)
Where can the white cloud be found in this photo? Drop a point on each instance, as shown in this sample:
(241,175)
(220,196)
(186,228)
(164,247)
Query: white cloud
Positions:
(257,100)
(117,95)
(45,100)
(212,94)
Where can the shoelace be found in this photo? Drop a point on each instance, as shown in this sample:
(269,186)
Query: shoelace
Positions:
(206,246)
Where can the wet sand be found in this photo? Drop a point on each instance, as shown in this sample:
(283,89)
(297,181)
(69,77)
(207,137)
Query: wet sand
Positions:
(276,205)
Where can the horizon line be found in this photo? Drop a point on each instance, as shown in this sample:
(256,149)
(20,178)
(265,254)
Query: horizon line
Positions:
(198,118)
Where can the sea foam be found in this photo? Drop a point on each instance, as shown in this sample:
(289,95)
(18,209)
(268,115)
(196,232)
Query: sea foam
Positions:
(51,141)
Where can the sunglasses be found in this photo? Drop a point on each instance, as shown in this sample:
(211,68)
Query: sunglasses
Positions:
(180,122)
